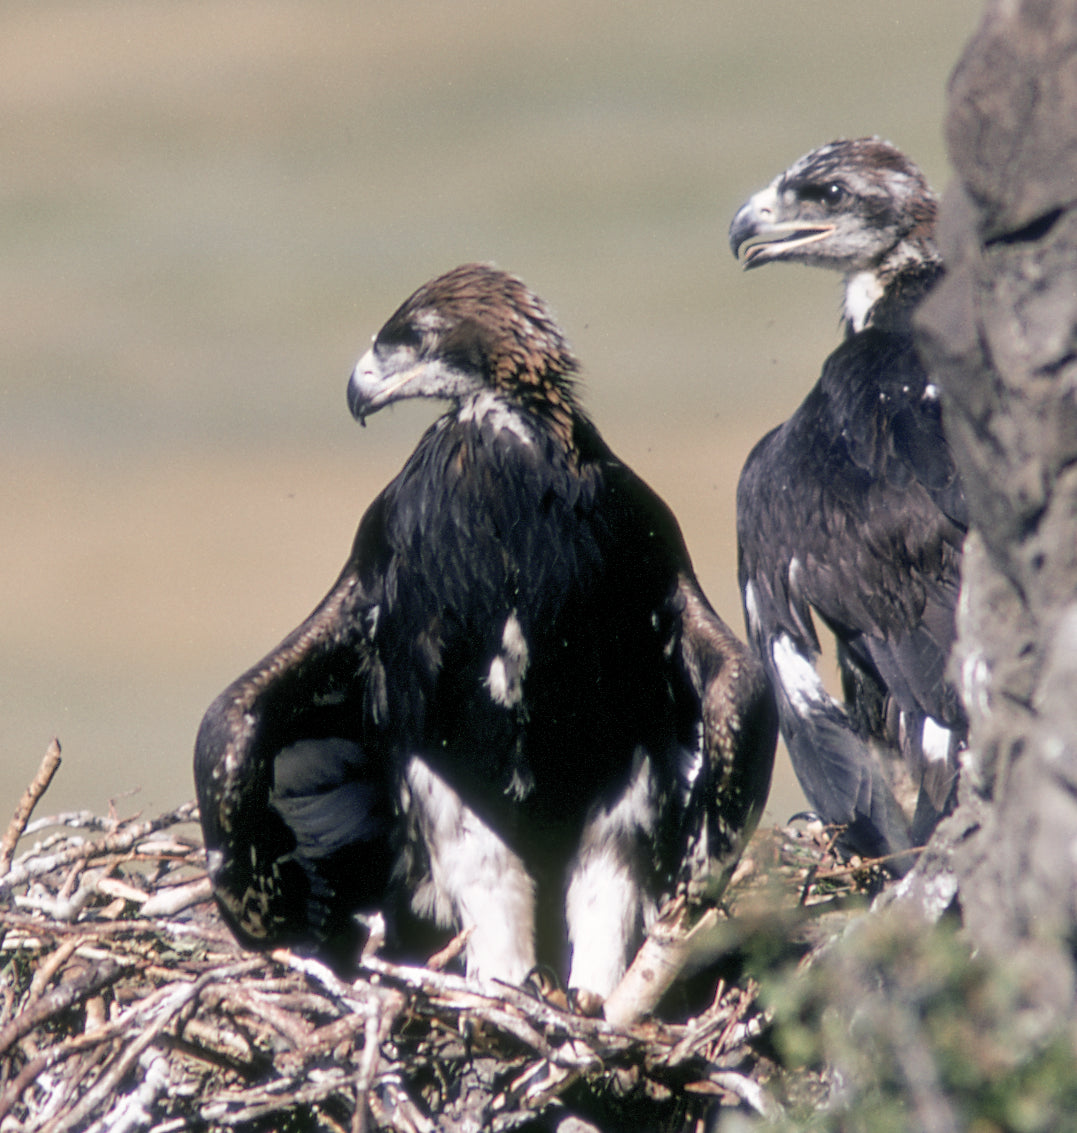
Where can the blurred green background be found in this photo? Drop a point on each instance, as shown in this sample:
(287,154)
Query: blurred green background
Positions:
(208,206)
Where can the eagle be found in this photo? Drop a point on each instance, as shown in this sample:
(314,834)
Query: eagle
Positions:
(515,712)
(851,515)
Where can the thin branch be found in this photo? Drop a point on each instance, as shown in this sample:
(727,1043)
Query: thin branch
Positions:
(121,840)
(38,786)
(78,988)
(176,999)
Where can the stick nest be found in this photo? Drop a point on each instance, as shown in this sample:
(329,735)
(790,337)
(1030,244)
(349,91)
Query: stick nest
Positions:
(126,1005)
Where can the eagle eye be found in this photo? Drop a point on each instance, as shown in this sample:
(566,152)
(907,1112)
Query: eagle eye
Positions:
(829,193)
(399,334)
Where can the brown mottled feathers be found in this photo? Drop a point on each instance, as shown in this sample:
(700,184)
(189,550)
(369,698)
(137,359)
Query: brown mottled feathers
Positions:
(494,322)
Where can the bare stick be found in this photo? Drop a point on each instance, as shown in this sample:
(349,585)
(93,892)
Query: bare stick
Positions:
(126,837)
(367,1066)
(38,786)
(441,959)
(680,939)
(50,1058)
(167,902)
(150,1024)
(61,999)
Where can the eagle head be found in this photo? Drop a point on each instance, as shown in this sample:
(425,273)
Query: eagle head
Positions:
(852,205)
(474,329)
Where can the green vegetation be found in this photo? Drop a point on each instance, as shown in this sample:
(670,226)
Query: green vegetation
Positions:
(896,1027)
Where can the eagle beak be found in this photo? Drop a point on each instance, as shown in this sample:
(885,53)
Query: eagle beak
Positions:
(757,231)
(370,388)
(360,387)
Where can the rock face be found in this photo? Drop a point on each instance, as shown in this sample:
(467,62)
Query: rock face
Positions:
(1000,335)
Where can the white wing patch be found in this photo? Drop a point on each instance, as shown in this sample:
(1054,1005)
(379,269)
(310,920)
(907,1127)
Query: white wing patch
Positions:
(751,609)
(505,679)
(935,742)
(798,676)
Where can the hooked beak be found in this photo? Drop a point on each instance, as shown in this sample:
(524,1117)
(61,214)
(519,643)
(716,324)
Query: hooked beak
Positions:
(370,388)
(763,238)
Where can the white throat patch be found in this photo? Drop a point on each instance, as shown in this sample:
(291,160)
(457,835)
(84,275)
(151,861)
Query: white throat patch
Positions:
(863,289)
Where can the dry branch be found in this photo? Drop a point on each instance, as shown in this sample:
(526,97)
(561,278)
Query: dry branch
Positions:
(38,786)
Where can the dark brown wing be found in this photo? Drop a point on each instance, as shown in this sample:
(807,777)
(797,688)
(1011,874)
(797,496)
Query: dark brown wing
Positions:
(297,808)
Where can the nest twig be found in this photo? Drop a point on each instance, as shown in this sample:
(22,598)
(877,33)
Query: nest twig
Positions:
(126,1005)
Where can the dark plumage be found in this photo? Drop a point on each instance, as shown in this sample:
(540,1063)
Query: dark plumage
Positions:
(515,696)
(851,515)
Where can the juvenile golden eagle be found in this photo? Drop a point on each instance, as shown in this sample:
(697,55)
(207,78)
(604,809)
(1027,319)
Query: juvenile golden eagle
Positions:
(852,512)
(515,712)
